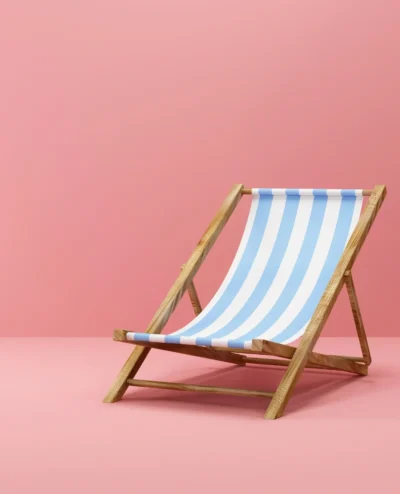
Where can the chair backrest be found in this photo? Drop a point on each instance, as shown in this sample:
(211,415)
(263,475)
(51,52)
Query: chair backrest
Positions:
(291,244)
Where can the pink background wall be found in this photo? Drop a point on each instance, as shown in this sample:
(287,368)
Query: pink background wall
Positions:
(124,124)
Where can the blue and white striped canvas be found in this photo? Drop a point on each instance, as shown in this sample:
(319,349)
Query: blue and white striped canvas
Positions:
(290,247)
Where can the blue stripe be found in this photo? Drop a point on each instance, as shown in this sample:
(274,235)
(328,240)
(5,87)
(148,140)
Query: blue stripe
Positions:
(265,192)
(348,193)
(302,264)
(141,337)
(268,276)
(335,251)
(319,192)
(250,253)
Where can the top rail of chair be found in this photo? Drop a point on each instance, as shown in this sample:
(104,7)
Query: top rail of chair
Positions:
(307,192)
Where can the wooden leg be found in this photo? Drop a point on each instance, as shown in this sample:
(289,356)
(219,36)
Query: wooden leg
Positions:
(328,299)
(141,351)
(304,353)
(355,308)
(176,292)
(128,371)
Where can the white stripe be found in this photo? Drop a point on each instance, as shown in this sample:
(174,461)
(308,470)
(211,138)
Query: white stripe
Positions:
(285,270)
(306,192)
(333,192)
(188,340)
(256,270)
(279,192)
(356,215)
(157,338)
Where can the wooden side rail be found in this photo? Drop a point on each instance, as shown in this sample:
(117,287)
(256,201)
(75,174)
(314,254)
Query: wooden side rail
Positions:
(320,359)
(262,347)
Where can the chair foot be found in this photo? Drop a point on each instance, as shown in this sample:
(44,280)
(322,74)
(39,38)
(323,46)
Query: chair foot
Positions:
(115,395)
(268,416)
(275,409)
(107,399)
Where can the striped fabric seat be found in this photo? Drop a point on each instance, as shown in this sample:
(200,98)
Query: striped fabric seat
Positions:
(291,244)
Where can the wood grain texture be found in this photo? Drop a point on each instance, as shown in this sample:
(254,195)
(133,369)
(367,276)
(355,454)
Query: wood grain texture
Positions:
(266,361)
(194,298)
(265,347)
(271,348)
(176,292)
(247,351)
(311,335)
(314,359)
(120,335)
(196,387)
(286,363)
(355,309)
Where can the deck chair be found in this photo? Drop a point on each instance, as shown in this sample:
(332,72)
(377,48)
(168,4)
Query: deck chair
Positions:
(296,253)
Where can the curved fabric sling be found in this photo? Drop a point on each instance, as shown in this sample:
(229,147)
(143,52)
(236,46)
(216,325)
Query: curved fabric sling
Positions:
(295,255)
(290,247)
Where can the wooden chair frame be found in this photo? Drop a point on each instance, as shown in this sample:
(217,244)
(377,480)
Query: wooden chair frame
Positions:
(295,359)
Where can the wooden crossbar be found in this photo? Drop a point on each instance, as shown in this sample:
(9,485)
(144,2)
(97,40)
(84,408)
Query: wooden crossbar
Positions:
(196,387)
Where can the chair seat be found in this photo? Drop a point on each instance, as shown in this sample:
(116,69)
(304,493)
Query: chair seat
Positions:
(290,247)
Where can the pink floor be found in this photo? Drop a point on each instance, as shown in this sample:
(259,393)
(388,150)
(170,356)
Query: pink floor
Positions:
(340,434)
